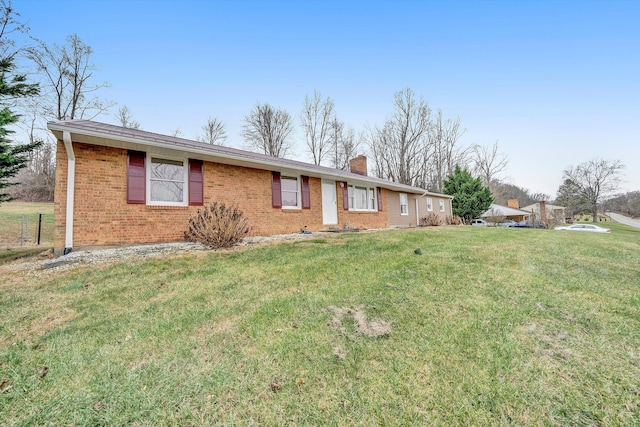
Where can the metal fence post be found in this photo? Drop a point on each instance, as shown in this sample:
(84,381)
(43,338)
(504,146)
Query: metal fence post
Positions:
(39,227)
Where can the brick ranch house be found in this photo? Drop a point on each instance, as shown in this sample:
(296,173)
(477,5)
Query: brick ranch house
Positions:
(117,186)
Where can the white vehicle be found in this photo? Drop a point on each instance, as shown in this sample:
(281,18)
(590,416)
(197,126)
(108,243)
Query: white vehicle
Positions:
(478,223)
(584,227)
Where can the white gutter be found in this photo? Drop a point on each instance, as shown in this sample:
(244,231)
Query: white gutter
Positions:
(71,181)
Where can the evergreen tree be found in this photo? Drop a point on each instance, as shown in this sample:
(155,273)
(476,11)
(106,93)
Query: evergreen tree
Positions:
(12,157)
(470,197)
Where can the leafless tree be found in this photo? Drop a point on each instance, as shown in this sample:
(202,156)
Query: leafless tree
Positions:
(400,148)
(125,118)
(594,180)
(37,179)
(214,132)
(267,130)
(489,162)
(9,24)
(67,74)
(445,152)
(344,144)
(316,118)
(177,132)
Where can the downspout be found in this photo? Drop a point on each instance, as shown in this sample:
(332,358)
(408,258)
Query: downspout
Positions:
(418,206)
(451,207)
(71,180)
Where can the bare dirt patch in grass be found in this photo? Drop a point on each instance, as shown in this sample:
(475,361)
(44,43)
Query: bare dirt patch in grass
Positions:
(373,329)
(549,343)
(222,327)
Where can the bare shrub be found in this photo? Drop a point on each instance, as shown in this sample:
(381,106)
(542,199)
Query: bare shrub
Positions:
(494,220)
(454,220)
(217,226)
(431,220)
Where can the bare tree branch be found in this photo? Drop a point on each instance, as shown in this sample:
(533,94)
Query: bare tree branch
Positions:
(267,130)
(214,132)
(594,180)
(125,118)
(67,71)
(401,147)
(316,118)
(489,162)
(9,24)
(444,152)
(344,143)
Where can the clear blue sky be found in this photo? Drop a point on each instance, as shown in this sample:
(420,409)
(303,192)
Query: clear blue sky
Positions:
(556,83)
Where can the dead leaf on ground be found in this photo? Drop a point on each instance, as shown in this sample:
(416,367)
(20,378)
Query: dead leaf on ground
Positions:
(45,371)
(275,386)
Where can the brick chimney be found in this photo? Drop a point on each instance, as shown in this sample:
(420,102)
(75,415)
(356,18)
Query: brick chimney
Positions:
(513,204)
(358,165)
(543,211)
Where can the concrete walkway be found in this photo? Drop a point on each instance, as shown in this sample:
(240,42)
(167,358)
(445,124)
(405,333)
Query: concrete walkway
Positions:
(624,220)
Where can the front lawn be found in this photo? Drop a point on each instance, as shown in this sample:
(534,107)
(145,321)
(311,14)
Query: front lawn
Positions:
(490,326)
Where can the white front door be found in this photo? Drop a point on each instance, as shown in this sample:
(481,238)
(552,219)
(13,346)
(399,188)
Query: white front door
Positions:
(329,203)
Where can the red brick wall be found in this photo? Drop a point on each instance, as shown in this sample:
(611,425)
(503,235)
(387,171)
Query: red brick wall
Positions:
(102,215)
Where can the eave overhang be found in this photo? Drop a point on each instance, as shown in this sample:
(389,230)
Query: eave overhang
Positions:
(102,134)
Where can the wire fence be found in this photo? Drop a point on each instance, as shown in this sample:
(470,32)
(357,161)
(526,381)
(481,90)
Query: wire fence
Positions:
(25,229)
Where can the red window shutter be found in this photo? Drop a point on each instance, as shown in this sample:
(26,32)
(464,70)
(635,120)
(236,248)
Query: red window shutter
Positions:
(345,196)
(196,186)
(136,177)
(379,198)
(276,190)
(306,193)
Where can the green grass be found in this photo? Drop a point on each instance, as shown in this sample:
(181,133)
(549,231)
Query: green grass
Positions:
(11,214)
(490,326)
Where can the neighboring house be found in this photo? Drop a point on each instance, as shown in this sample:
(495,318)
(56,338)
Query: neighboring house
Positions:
(408,209)
(117,185)
(505,212)
(547,212)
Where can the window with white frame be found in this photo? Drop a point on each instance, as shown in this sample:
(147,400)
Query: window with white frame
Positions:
(372,199)
(167,182)
(441,205)
(404,205)
(290,192)
(429,204)
(362,198)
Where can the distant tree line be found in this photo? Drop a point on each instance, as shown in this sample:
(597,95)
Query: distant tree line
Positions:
(627,204)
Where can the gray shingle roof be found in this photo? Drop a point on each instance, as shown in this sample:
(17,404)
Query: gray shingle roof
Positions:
(116,136)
